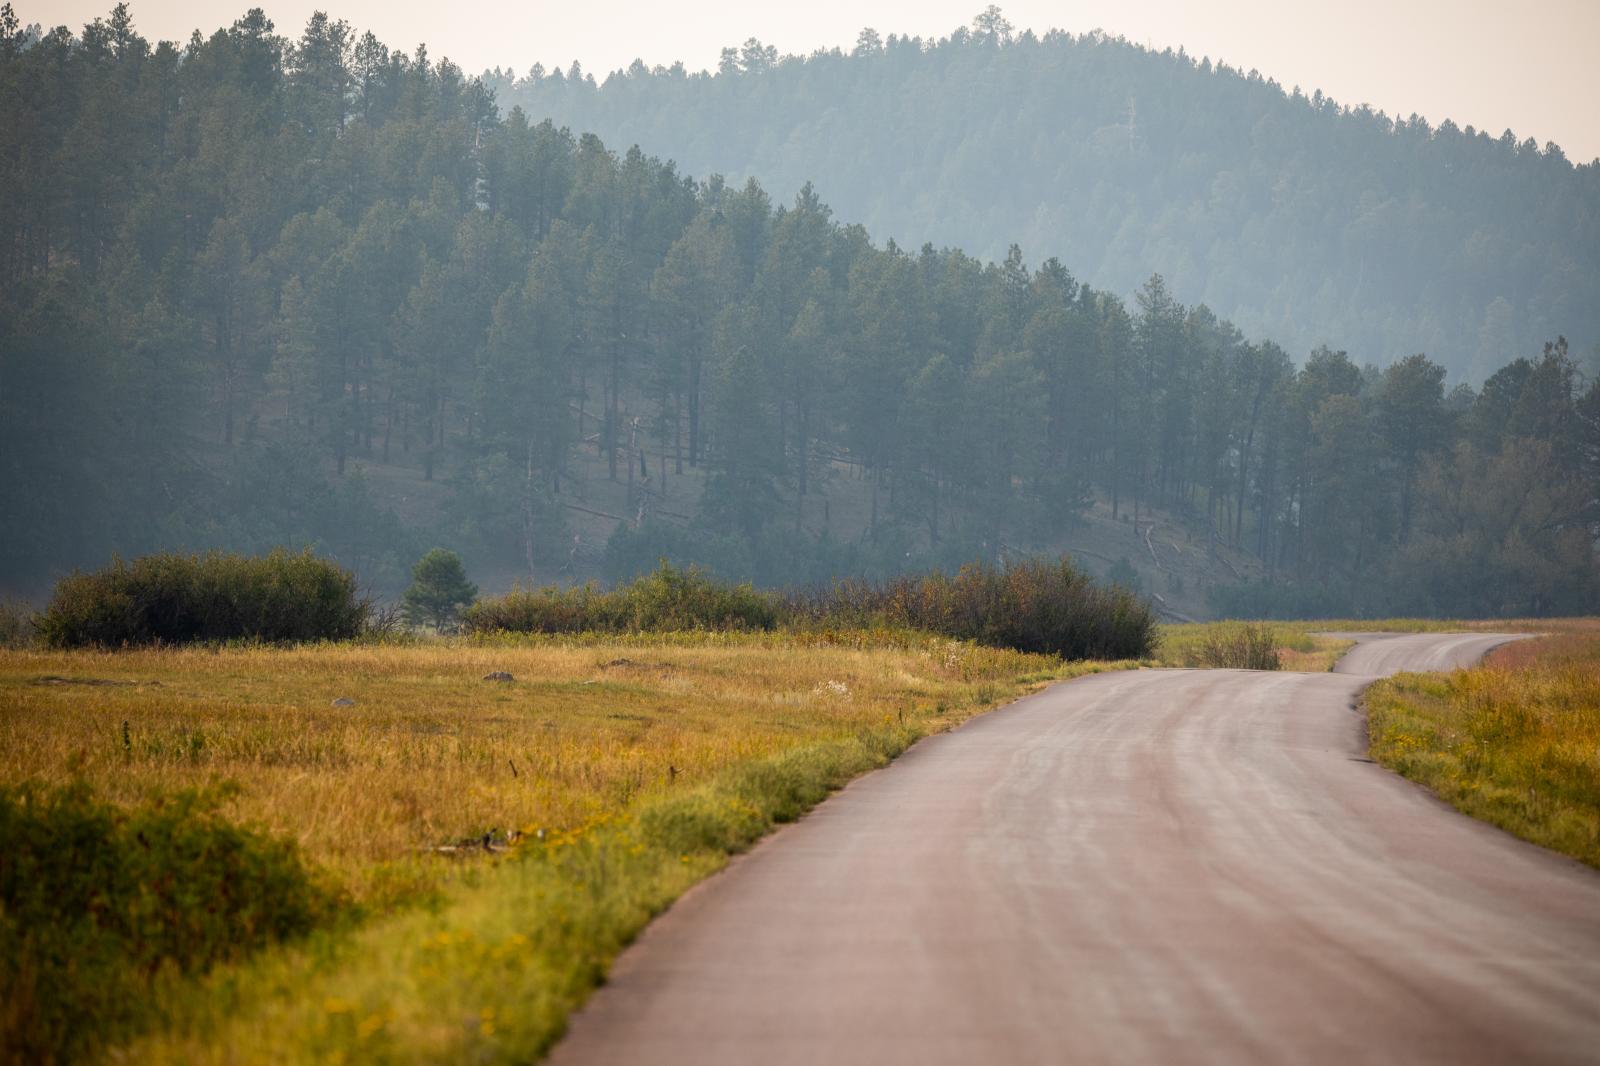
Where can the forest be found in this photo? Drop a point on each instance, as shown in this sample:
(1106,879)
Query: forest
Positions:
(260,290)
(1293,215)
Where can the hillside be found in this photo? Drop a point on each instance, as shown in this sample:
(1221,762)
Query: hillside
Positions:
(259,291)
(1296,217)
(1167,556)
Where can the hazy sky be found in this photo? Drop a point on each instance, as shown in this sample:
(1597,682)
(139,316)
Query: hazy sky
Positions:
(1533,66)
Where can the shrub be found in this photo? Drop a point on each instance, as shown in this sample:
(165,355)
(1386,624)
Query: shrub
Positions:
(97,902)
(1237,646)
(1048,607)
(180,599)
(666,599)
(1036,606)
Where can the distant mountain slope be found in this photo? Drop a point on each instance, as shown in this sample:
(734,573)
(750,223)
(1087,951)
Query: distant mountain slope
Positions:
(1294,217)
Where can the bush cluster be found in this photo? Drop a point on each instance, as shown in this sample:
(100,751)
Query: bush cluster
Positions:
(1240,646)
(1038,606)
(1051,607)
(96,902)
(180,599)
(664,600)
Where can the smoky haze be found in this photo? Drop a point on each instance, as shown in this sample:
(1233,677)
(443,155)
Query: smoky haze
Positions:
(1528,67)
(1251,352)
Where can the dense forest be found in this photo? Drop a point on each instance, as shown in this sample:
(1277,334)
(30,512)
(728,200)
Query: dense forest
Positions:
(1297,217)
(244,275)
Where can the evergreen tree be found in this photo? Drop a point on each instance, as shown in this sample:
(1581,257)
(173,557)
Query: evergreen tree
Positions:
(439,590)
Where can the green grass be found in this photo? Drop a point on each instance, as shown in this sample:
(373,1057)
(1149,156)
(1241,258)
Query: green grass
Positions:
(1514,742)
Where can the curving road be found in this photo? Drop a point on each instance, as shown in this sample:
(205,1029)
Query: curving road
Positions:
(1157,866)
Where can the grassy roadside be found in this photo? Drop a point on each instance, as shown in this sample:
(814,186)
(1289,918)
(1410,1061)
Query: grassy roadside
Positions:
(1514,741)
(1298,645)
(1304,646)
(624,770)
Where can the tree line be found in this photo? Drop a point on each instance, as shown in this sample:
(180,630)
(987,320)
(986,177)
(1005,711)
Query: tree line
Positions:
(1292,214)
(240,270)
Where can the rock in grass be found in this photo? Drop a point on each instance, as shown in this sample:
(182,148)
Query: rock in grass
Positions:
(498,675)
(343,701)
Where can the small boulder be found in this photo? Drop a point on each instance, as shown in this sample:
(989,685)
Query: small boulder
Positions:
(498,675)
(343,701)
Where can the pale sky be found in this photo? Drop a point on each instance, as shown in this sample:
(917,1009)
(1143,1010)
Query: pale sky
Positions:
(1533,65)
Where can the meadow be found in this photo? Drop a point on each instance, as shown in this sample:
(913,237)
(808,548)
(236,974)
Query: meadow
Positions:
(470,829)
(490,844)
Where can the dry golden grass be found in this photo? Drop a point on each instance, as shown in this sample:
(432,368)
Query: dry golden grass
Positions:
(1515,741)
(431,754)
(644,761)
(1299,646)
(1304,646)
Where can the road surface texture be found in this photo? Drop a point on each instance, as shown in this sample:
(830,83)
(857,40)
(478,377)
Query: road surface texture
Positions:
(1147,867)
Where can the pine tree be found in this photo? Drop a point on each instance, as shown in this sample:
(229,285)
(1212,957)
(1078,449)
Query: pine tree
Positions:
(439,590)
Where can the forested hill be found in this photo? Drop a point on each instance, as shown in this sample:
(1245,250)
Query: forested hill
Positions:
(259,290)
(1293,216)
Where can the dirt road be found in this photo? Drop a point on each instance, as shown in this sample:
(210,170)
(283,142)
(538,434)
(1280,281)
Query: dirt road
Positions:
(1159,866)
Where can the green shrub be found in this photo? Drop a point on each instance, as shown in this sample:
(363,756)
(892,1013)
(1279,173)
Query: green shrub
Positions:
(97,902)
(180,599)
(1034,606)
(664,600)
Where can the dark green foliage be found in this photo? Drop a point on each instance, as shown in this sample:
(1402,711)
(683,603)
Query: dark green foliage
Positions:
(667,599)
(183,599)
(439,590)
(97,902)
(1036,606)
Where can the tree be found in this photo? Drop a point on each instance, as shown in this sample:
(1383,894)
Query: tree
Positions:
(439,590)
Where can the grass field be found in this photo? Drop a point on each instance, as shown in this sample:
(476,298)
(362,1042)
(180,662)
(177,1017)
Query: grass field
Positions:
(1515,741)
(492,845)
(614,773)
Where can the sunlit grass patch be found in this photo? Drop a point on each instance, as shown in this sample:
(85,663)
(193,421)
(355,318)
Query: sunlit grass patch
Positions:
(1515,741)
(624,769)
